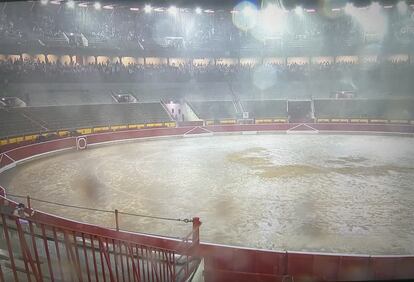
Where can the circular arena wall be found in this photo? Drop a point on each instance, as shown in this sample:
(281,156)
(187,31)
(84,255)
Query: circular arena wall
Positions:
(224,261)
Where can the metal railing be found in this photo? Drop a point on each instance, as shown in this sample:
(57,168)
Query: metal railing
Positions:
(39,249)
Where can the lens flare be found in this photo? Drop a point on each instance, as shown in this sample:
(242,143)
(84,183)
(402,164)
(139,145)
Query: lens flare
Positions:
(371,19)
(246,15)
(271,23)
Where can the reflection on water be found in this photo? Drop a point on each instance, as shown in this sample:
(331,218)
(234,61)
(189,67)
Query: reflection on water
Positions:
(320,193)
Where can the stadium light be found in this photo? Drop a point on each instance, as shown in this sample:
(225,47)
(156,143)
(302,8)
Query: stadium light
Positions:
(147,9)
(44,2)
(134,9)
(270,11)
(271,21)
(350,9)
(371,19)
(402,7)
(246,17)
(97,5)
(70,4)
(299,11)
(172,10)
(198,10)
(108,7)
(248,10)
(375,7)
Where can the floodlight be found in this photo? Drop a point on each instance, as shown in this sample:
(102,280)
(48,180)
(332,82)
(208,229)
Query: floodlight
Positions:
(172,10)
(97,5)
(402,7)
(299,11)
(147,9)
(70,4)
(248,10)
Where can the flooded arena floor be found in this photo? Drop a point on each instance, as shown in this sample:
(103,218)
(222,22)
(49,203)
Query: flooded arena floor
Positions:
(350,194)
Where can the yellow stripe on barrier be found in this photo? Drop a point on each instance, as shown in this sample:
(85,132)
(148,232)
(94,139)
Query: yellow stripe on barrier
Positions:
(210,122)
(98,129)
(355,120)
(30,137)
(339,120)
(398,121)
(115,127)
(279,120)
(378,121)
(84,130)
(170,124)
(3,142)
(123,127)
(323,120)
(266,120)
(12,140)
(136,126)
(154,124)
(227,121)
(63,133)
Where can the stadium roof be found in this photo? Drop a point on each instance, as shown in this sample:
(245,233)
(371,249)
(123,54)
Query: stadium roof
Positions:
(224,4)
(229,4)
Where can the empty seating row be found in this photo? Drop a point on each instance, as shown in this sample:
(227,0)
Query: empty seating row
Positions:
(397,109)
(20,121)
(13,123)
(70,117)
(214,109)
(266,108)
(257,109)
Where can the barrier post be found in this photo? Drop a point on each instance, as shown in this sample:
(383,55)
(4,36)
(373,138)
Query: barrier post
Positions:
(116,220)
(196,231)
(28,202)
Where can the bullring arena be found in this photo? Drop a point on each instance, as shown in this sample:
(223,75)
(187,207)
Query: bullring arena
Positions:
(263,191)
(314,210)
(212,141)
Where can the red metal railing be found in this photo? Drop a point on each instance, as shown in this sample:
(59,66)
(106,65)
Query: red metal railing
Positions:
(38,251)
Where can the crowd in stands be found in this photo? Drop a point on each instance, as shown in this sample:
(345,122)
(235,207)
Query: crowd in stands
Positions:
(36,71)
(27,21)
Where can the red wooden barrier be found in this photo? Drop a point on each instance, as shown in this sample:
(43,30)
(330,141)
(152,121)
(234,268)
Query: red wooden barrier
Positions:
(223,263)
